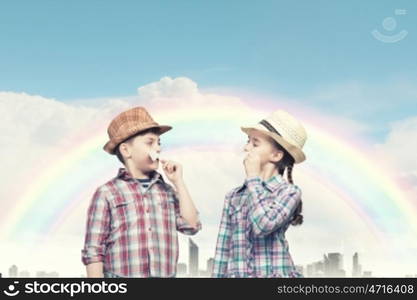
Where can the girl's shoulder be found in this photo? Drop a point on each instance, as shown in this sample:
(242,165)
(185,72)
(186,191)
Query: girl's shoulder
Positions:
(289,188)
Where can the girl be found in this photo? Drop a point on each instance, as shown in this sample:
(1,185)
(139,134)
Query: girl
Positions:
(251,240)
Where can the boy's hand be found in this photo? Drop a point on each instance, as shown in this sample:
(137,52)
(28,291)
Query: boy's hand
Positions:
(172,170)
(252,163)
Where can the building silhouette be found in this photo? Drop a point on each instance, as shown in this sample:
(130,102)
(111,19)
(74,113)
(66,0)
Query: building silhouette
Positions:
(13,271)
(315,269)
(210,264)
(24,274)
(356,267)
(43,274)
(182,269)
(299,269)
(367,274)
(193,258)
(333,265)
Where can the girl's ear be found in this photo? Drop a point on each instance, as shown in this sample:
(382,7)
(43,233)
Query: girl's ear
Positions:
(277,155)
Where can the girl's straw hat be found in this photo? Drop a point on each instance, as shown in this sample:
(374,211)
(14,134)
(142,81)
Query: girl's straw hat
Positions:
(129,123)
(285,130)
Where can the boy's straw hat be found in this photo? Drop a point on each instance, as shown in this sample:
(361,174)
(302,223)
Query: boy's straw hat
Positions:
(285,130)
(129,123)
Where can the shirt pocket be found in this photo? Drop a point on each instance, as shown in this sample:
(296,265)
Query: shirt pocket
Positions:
(124,213)
(237,213)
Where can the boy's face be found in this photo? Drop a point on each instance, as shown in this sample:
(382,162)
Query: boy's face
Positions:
(137,150)
(262,145)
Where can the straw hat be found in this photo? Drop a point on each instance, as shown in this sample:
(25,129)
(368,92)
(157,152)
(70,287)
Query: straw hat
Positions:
(285,130)
(128,124)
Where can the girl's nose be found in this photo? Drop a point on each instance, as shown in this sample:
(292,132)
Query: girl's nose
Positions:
(247,147)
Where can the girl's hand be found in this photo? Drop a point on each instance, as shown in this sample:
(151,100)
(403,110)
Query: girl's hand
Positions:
(252,163)
(172,170)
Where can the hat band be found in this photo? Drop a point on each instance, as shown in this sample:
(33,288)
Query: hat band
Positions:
(268,126)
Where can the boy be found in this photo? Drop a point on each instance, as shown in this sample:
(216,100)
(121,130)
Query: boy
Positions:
(133,219)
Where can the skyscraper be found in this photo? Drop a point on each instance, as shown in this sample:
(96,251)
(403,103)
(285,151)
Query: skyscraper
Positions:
(356,268)
(181,269)
(333,265)
(13,271)
(210,263)
(193,258)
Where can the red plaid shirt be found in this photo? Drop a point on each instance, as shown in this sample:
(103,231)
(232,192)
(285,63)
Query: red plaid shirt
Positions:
(134,233)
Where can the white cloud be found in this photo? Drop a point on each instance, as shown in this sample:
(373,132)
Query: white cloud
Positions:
(168,87)
(375,104)
(401,143)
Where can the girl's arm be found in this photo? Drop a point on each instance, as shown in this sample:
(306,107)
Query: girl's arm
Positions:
(223,240)
(269,211)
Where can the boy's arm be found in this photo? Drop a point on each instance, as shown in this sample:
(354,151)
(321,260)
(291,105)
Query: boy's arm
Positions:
(187,209)
(95,270)
(187,218)
(97,231)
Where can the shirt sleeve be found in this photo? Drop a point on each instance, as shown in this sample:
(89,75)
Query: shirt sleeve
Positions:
(268,212)
(221,256)
(182,225)
(97,229)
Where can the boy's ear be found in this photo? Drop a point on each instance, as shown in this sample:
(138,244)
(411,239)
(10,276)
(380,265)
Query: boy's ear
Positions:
(124,150)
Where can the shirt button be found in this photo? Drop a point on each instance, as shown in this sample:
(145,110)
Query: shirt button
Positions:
(150,229)
(147,210)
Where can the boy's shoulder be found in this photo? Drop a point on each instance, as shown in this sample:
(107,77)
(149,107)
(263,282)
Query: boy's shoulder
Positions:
(117,185)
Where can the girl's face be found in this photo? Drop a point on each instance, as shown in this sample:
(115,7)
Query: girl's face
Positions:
(262,145)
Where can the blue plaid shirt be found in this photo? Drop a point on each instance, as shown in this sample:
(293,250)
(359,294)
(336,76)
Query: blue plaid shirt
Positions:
(251,240)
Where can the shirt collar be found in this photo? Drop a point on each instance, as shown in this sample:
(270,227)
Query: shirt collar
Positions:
(123,174)
(272,184)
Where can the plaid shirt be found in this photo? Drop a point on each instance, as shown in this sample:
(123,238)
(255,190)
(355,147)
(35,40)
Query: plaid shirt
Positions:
(134,233)
(251,240)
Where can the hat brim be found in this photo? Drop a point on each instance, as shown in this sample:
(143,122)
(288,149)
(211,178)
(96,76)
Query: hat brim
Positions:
(293,150)
(110,146)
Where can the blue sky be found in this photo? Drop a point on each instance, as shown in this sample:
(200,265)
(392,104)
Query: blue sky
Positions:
(301,49)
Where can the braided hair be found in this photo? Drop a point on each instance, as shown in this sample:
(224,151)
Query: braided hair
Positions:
(287,163)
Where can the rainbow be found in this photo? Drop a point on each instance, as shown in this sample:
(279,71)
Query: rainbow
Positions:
(345,165)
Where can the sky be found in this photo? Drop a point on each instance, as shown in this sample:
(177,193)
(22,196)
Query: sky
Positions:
(67,65)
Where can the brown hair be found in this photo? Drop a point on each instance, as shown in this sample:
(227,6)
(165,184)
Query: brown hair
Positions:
(287,163)
(129,140)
